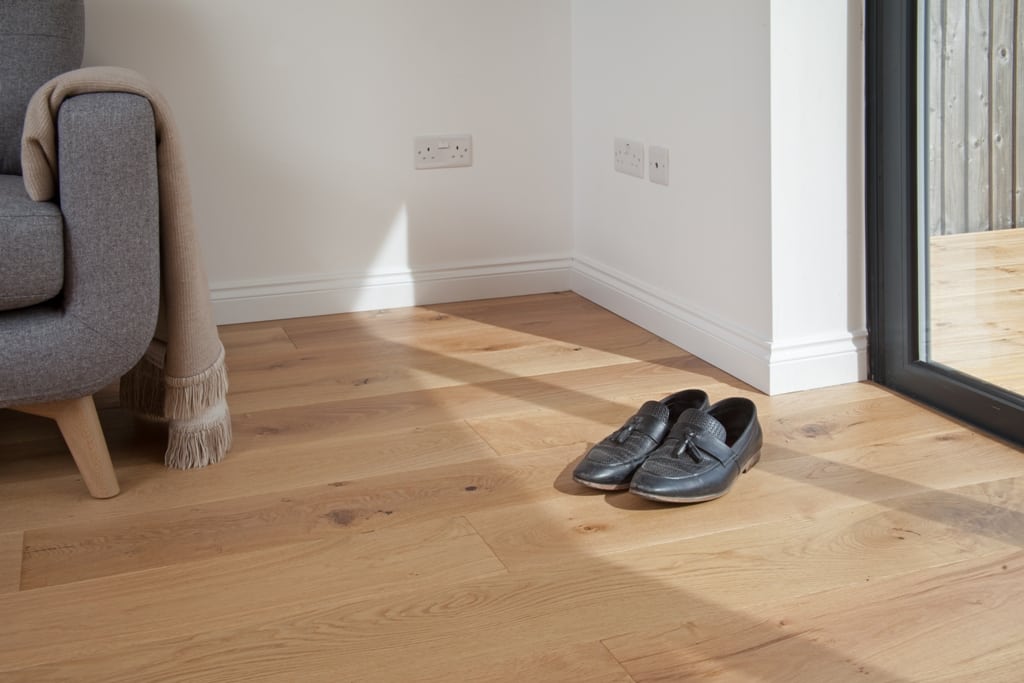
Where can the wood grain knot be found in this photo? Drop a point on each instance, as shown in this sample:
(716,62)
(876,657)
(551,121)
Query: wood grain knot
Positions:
(341,517)
(817,429)
(500,347)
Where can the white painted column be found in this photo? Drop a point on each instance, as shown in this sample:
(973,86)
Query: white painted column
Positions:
(817,263)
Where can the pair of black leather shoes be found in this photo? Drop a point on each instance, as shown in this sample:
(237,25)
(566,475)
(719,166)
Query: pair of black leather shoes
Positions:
(677,450)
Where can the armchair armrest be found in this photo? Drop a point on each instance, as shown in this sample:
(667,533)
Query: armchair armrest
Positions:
(108,195)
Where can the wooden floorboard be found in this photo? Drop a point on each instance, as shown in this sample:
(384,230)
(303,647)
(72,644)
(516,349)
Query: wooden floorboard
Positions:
(11,545)
(423,524)
(955,622)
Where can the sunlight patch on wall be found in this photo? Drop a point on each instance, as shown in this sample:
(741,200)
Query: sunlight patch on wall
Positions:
(392,259)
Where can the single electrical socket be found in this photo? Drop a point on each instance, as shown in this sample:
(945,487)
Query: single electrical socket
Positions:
(629,157)
(657,160)
(442,151)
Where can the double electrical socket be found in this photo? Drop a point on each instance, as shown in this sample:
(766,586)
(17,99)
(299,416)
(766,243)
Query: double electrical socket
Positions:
(442,151)
(629,159)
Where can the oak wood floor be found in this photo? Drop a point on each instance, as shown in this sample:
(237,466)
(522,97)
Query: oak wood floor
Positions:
(399,507)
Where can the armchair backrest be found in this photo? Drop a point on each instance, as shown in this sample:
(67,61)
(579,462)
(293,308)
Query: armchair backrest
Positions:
(39,39)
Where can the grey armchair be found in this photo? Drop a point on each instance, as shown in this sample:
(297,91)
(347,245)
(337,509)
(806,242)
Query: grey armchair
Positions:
(79,278)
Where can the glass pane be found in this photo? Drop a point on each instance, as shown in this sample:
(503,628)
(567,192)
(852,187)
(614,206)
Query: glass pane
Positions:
(972,201)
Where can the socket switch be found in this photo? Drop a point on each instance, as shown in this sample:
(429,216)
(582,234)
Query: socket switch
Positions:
(658,163)
(629,157)
(442,151)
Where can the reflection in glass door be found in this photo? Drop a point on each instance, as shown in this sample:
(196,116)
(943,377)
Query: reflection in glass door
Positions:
(971,139)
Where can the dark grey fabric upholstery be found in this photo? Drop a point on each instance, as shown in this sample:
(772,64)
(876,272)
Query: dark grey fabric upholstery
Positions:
(39,39)
(31,247)
(106,314)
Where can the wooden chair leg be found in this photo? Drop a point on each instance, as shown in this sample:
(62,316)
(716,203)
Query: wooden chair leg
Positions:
(81,429)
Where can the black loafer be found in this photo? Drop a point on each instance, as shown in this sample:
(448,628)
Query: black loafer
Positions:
(703,454)
(610,463)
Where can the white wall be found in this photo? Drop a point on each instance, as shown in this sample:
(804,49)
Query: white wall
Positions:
(298,119)
(691,261)
(752,257)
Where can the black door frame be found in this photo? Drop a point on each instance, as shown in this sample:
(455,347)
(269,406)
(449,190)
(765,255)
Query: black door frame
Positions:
(891,160)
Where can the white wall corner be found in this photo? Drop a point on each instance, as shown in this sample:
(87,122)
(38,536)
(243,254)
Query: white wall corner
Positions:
(818,325)
(732,349)
(276,298)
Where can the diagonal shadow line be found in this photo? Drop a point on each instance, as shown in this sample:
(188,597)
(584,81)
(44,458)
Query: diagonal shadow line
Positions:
(967,514)
(554,398)
(468,372)
(943,506)
(545,324)
(951,511)
(1011,530)
(543,393)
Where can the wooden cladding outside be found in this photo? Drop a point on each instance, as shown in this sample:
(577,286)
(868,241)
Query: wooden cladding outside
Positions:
(974,132)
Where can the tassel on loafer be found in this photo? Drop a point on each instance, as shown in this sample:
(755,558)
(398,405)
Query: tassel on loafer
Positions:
(703,454)
(610,463)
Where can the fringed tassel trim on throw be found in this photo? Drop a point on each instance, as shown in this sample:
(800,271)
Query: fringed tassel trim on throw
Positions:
(199,442)
(142,389)
(195,408)
(189,397)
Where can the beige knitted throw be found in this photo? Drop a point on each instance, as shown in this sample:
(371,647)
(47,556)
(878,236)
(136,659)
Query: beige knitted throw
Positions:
(182,377)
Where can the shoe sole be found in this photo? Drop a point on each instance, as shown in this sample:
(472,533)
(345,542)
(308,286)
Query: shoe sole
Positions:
(602,487)
(698,499)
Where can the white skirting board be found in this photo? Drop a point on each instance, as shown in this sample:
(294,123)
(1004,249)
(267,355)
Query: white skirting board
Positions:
(774,367)
(799,364)
(238,302)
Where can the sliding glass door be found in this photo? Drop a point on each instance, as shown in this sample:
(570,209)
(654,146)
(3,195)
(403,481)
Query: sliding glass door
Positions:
(945,205)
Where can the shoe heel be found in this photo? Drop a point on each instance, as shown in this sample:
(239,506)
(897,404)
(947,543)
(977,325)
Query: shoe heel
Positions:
(753,461)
